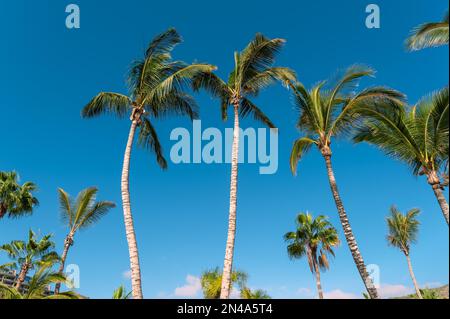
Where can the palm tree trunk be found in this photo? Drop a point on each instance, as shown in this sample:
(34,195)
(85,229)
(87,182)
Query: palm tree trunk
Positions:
(441,200)
(22,276)
(351,241)
(416,286)
(128,218)
(319,284)
(67,244)
(229,252)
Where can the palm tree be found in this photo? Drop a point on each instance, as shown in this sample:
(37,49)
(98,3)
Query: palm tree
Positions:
(156,86)
(403,230)
(16,200)
(37,287)
(314,238)
(247,293)
(121,293)
(253,71)
(328,113)
(211,282)
(79,215)
(419,138)
(429,35)
(28,255)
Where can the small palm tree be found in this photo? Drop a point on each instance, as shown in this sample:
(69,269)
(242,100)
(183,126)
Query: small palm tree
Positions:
(247,293)
(79,215)
(29,255)
(403,230)
(429,35)
(38,287)
(253,71)
(329,113)
(211,282)
(156,87)
(315,239)
(16,200)
(418,138)
(121,293)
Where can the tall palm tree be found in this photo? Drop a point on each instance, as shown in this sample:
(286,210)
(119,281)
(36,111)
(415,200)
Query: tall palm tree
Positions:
(328,113)
(314,238)
(156,87)
(403,230)
(16,200)
(37,287)
(429,35)
(419,138)
(253,71)
(247,293)
(211,282)
(30,254)
(80,214)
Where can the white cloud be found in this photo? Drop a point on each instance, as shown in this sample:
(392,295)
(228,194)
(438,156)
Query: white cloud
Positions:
(339,294)
(235,294)
(191,289)
(389,291)
(306,293)
(126,274)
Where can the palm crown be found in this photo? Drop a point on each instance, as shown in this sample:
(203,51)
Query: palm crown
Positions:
(418,137)
(429,35)
(403,229)
(84,211)
(253,71)
(156,86)
(15,200)
(313,238)
(34,252)
(327,113)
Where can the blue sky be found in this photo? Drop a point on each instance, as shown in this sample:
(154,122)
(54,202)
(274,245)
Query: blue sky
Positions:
(48,73)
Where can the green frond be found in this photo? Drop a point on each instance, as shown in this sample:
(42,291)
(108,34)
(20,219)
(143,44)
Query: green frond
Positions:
(148,138)
(429,35)
(248,108)
(301,147)
(107,102)
(403,228)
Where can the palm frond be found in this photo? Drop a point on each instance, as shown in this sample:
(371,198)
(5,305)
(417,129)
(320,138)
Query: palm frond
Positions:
(248,108)
(301,146)
(107,102)
(148,138)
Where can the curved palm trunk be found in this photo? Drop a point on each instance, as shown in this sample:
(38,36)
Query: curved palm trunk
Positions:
(22,276)
(67,244)
(318,283)
(351,241)
(229,252)
(411,272)
(441,200)
(128,218)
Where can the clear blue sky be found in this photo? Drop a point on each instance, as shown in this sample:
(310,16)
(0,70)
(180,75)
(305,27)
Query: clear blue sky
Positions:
(48,73)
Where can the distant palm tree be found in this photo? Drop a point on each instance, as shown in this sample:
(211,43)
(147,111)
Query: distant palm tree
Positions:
(419,138)
(253,71)
(156,85)
(121,293)
(79,215)
(16,200)
(326,114)
(30,254)
(37,287)
(211,282)
(403,230)
(313,239)
(429,35)
(247,293)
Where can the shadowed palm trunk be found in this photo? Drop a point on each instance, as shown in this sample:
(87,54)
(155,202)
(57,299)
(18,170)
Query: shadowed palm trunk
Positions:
(413,277)
(228,263)
(441,200)
(128,218)
(67,244)
(351,241)
(22,275)
(318,282)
